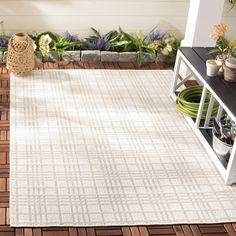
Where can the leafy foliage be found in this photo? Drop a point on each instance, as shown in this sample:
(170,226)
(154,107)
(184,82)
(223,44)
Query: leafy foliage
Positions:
(165,48)
(56,43)
(61,44)
(69,41)
(156,42)
(122,41)
(224,46)
(36,37)
(99,42)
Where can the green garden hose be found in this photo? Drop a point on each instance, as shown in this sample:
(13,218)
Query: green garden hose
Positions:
(188,102)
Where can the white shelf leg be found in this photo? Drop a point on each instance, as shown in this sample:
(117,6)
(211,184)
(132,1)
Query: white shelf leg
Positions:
(209,112)
(219,113)
(176,74)
(231,168)
(201,106)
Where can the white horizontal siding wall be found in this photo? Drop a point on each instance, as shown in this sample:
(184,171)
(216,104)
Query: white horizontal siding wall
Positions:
(79,15)
(229,16)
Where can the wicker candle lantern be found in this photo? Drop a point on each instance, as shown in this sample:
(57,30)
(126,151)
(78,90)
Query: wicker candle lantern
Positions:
(20,56)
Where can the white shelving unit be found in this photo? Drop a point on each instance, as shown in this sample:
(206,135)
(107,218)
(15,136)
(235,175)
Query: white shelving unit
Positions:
(195,61)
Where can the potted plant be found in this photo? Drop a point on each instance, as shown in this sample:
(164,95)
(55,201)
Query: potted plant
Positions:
(224,48)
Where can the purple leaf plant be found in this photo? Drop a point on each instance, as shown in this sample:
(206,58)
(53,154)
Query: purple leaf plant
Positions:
(70,37)
(155,34)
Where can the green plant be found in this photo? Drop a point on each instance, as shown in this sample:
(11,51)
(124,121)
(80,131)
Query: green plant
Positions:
(224,47)
(43,43)
(61,44)
(98,41)
(165,48)
(156,43)
(71,41)
(122,41)
(141,46)
(36,37)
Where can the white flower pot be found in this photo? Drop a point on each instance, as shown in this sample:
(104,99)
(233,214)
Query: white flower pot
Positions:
(213,67)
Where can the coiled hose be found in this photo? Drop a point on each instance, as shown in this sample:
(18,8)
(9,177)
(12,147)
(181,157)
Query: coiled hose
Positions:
(188,101)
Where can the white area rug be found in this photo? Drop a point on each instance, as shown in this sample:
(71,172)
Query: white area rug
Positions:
(96,147)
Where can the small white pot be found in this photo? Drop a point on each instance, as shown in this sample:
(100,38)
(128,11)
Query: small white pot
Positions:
(213,67)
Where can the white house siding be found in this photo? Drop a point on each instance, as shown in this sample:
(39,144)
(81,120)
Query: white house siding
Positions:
(79,15)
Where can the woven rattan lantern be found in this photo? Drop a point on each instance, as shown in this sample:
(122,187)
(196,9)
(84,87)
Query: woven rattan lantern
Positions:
(20,56)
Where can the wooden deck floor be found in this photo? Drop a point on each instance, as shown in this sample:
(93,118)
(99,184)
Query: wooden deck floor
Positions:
(5,230)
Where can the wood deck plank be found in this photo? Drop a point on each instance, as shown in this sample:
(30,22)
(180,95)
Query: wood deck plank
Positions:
(187,230)
(3,184)
(2,216)
(4,115)
(6,229)
(37,232)
(82,231)
(216,234)
(178,230)
(212,230)
(143,231)
(7,233)
(91,231)
(230,229)
(161,231)
(55,233)
(19,232)
(196,231)
(107,232)
(28,232)
(73,232)
(134,231)
(126,231)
